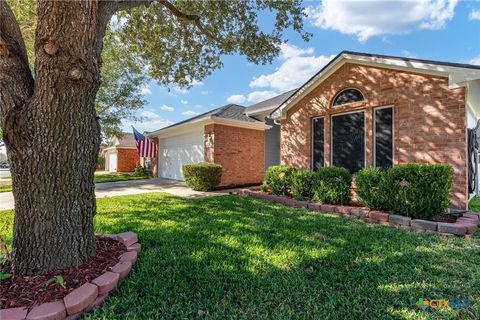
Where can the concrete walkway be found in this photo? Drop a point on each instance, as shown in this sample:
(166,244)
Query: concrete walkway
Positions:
(110,189)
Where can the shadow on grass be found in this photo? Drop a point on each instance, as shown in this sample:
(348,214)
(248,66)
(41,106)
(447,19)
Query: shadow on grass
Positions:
(235,257)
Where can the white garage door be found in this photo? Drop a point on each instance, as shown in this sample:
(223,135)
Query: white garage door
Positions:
(112,162)
(177,150)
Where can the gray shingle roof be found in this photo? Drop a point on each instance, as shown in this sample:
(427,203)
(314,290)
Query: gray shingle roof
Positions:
(269,104)
(229,111)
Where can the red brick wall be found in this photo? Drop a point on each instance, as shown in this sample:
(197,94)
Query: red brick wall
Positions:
(429,119)
(240,151)
(126,160)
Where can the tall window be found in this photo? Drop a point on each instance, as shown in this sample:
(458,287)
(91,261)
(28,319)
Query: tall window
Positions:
(348,96)
(318,143)
(384,137)
(348,141)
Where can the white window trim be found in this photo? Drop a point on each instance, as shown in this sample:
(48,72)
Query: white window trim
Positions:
(375,136)
(364,135)
(324,145)
(347,103)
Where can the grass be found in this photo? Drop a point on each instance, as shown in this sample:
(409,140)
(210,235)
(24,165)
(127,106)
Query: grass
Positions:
(232,257)
(6,188)
(474,204)
(100,177)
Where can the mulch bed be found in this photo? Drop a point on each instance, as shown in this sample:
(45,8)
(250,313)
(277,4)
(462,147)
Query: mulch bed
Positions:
(27,291)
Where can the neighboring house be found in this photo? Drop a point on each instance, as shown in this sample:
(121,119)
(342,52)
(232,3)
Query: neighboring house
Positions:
(372,110)
(121,154)
(225,135)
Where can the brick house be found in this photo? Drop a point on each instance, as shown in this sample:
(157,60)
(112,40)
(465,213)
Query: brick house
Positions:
(371,110)
(225,135)
(121,154)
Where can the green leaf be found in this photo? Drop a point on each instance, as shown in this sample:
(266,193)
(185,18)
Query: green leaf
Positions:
(4,275)
(57,279)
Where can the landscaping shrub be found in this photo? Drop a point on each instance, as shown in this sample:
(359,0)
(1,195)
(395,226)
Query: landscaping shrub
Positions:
(301,185)
(370,182)
(202,176)
(332,185)
(278,180)
(419,191)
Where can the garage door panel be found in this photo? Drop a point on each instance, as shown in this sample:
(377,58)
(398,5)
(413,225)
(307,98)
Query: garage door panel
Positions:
(178,150)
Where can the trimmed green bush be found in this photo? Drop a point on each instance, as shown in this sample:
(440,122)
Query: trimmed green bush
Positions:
(370,182)
(301,185)
(420,191)
(332,185)
(202,176)
(278,180)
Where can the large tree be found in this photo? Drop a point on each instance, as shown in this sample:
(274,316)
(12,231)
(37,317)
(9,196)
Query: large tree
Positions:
(119,95)
(49,121)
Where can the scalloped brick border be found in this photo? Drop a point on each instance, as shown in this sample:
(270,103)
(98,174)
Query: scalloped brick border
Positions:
(463,227)
(90,295)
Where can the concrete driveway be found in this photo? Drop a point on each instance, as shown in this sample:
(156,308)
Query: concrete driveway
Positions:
(110,189)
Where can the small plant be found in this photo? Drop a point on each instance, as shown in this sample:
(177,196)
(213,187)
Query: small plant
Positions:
(278,180)
(202,176)
(332,185)
(4,275)
(301,185)
(58,279)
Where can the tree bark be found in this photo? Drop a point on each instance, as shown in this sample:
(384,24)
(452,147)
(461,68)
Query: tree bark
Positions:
(53,138)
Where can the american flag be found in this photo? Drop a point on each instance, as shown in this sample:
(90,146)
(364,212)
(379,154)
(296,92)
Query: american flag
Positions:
(145,147)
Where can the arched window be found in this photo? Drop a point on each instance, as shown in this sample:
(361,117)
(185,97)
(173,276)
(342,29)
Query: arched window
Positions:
(348,96)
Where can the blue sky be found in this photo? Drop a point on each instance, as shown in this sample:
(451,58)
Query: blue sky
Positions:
(426,29)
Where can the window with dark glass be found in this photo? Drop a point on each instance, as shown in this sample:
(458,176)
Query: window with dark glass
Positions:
(384,137)
(318,142)
(348,141)
(348,96)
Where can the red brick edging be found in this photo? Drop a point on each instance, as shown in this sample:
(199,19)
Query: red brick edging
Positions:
(83,299)
(463,227)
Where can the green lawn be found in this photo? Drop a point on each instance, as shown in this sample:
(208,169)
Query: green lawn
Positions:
(474,204)
(235,257)
(100,177)
(6,188)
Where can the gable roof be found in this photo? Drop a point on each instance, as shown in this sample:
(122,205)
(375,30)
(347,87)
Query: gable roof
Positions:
(458,73)
(126,140)
(229,112)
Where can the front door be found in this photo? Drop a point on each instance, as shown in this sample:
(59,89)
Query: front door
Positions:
(348,141)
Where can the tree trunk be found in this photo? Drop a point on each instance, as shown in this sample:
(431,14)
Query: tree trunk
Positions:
(53,139)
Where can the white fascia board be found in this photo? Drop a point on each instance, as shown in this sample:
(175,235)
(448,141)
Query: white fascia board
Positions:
(183,128)
(241,124)
(457,76)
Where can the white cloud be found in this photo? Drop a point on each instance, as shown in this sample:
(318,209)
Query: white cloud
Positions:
(150,121)
(184,101)
(475,60)
(167,108)
(258,96)
(236,98)
(189,113)
(205,92)
(369,18)
(474,14)
(144,90)
(294,71)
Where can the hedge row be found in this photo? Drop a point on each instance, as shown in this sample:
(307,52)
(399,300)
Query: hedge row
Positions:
(329,185)
(414,190)
(420,191)
(202,176)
